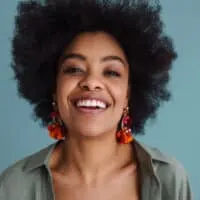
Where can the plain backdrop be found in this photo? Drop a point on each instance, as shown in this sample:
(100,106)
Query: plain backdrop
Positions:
(176,130)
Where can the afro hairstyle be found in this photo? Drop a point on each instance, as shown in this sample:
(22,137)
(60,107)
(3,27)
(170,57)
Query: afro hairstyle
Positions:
(44,29)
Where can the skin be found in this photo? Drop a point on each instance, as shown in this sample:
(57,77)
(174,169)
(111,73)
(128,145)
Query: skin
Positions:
(94,74)
(90,160)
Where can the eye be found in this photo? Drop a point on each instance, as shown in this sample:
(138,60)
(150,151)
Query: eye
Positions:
(112,73)
(72,70)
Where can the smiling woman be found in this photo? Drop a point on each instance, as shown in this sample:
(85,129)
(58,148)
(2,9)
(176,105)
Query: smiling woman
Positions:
(95,72)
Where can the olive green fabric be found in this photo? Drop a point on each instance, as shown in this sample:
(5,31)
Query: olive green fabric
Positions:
(163,178)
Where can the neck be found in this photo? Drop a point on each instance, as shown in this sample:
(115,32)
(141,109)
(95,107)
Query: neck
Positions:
(91,160)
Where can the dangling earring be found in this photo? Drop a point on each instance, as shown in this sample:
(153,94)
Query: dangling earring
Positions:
(55,126)
(125,135)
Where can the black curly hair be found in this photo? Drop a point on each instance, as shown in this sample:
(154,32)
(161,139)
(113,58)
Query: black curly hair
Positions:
(44,29)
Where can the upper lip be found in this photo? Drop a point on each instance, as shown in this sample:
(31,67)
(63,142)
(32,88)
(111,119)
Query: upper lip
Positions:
(90,97)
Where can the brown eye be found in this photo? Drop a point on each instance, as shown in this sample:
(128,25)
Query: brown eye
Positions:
(112,73)
(72,70)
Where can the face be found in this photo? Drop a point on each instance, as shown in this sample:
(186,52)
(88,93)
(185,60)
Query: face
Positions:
(92,85)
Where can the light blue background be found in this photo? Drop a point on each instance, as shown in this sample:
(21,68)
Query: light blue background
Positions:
(176,130)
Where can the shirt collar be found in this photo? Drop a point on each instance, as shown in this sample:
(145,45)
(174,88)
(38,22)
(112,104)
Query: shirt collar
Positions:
(40,158)
(145,155)
(153,153)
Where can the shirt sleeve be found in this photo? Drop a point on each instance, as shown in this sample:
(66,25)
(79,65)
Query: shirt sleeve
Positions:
(185,192)
(2,191)
(174,181)
(180,182)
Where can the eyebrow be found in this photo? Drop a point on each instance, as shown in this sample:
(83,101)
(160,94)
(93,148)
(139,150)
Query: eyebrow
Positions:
(83,58)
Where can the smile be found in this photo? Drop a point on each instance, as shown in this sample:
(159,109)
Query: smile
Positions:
(90,105)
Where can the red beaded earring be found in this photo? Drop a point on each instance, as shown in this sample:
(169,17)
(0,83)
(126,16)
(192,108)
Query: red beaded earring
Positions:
(125,135)
(55,126)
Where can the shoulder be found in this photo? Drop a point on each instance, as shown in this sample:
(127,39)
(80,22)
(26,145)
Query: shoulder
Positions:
(26,164)
(170,173)
(14,180)
(22,174)
(165,164)
(14,171)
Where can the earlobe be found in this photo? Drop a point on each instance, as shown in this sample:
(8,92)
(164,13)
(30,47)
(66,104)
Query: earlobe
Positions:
(126,104)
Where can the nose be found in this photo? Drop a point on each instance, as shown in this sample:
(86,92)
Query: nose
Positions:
(91,83)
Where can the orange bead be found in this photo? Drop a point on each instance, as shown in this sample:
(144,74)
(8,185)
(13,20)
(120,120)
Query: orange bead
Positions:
(124,136)
(55,131)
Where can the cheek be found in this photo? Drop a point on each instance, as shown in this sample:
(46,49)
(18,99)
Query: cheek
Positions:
(65,85)
(63,90)
(120,95)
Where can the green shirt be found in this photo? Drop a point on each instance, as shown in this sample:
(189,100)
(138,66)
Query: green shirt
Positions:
(163,178)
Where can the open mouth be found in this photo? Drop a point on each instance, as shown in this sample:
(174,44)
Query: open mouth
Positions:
(90,104)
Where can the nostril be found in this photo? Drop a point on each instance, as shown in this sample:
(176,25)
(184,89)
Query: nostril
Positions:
(90,88)
(91,84)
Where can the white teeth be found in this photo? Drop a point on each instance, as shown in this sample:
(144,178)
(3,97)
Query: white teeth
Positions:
(91,103)
(88,103)
(101,104)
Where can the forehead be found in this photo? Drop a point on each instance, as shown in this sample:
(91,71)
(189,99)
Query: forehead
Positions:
(95,44)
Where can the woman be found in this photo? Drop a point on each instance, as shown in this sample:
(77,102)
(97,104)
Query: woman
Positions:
(95,72)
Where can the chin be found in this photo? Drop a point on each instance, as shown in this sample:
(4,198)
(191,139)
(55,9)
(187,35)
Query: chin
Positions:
(91,132)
